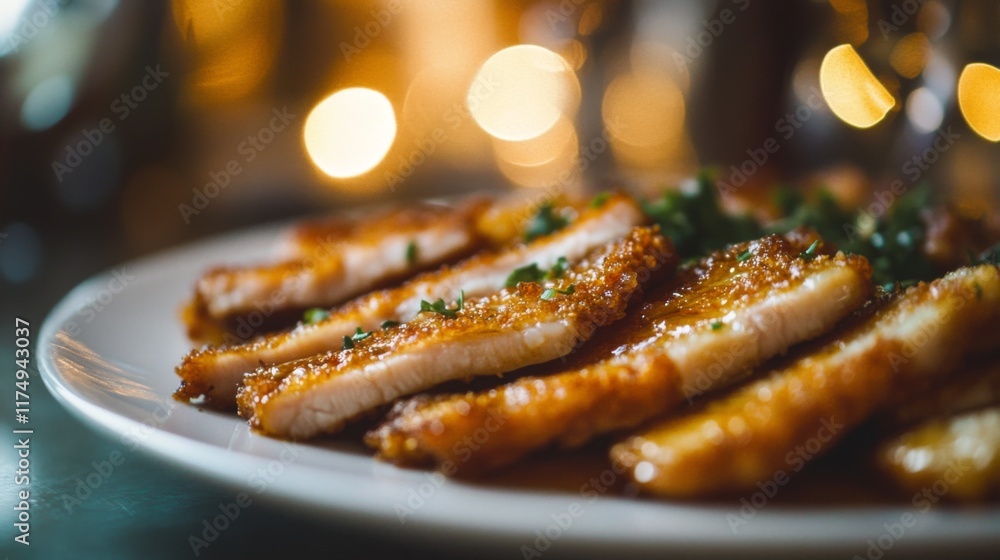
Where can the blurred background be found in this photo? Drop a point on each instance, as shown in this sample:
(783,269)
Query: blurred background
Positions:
(126,127)
(130,126)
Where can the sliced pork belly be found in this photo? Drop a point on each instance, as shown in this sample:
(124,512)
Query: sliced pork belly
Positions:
(527,324)
(698,332)
(216,372)
(326,262)
(820,396)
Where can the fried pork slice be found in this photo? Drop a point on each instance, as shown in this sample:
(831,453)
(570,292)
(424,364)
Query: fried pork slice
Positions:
(330,261)
(802,408)
(216,372)
(697,332)
(527,324)
(956,458)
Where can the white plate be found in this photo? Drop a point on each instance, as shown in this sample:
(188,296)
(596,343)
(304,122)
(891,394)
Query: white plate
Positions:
(108,353)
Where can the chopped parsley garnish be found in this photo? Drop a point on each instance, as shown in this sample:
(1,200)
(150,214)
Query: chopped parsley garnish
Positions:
(716,325)
(532,273)
(529,273)
(599,200)
(389,324)
(440,308)
(550,293)
(411,252)
(558,269)
(314,315)
(358,336)
(743,256)
(546,221)
(810,253)
(695,221)
(697,225)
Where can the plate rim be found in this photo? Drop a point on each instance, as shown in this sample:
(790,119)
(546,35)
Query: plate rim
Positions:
(766,537)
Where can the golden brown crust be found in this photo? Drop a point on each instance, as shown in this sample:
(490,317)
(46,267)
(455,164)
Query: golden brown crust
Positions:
(630,372)
(954,458)
(215,372)
(754,432)
(597,288)
(318,271)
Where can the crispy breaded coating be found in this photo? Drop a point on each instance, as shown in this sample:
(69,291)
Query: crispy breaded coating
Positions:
(326,262)
(216,372)
(756,431)
(519,326)
(697,332)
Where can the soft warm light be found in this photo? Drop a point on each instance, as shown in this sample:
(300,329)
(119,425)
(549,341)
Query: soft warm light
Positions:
(547,160)
(853,93)
(522,91)
(851,23)
(350,132)
(910,55)
(979,99)
(232,46)
(643,113)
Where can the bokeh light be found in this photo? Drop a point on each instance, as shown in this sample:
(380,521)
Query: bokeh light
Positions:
(979,99)
(643,113)
(851,91)
(523,91)
(924,110)
(542,161)
(350,132)
(910,55)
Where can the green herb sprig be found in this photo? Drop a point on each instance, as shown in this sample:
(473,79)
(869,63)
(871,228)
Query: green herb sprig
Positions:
(314,315)
(441,308)
(550,293)
(546,221)
(534,273)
